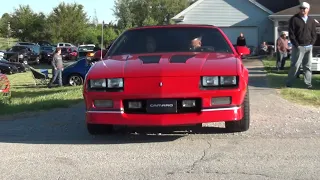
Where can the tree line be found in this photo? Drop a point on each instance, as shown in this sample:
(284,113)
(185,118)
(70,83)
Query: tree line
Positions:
(68,22)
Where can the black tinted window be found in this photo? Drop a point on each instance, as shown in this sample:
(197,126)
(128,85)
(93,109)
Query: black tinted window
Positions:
(160,40)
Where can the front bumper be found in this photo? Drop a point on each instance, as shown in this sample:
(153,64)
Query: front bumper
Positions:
(118,117)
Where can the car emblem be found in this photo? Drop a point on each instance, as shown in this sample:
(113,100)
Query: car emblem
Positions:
(160,84)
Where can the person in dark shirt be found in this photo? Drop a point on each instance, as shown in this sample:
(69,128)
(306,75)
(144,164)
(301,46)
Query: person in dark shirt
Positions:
(302,34)
(57,68)
(241,41)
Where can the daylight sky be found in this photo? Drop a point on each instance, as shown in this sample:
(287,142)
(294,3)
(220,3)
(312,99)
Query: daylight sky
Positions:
(102,7)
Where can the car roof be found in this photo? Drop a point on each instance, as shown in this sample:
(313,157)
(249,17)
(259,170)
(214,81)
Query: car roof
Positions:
(174,26)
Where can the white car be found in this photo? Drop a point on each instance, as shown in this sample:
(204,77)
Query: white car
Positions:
(62,44)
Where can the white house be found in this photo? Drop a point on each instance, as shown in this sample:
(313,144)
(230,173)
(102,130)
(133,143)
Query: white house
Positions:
(258,20)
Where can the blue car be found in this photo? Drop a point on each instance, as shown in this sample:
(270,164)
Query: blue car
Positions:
(75,73)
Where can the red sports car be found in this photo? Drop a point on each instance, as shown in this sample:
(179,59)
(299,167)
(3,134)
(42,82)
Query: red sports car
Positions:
(168,75)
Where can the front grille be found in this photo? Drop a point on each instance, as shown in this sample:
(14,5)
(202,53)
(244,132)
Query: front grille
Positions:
(178,109)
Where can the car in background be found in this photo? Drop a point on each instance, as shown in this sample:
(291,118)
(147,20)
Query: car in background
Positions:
(75,73)
(46,53)
(69,53)
(86,51)
(20,66)
(170,75)
(28,54)
(62,44)
(315,67)
(8,68)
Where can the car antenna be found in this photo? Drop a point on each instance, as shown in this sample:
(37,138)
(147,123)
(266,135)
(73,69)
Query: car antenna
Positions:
(102,44)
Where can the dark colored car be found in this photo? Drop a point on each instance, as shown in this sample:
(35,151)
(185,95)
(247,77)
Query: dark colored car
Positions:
(46,53)
(27,54)
(20,66)
(8,69)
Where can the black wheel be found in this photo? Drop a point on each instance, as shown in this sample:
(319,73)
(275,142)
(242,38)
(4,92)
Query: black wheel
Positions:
(244,123)
(97,129)
(75,80)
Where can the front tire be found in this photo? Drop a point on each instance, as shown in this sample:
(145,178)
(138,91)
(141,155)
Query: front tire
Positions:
(98,129)
(75,80)
(244,123)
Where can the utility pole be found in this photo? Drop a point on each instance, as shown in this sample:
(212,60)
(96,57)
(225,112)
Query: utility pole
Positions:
(8,33)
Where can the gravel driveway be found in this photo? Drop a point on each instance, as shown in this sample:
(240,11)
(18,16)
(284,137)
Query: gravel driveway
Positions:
(282,143)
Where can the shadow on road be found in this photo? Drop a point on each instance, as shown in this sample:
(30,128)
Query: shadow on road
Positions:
(72,131)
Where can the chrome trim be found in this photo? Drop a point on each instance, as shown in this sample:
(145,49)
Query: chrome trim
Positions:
(222,109)
(121,111)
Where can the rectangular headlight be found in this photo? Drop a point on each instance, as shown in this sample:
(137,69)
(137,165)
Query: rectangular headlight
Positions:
(228,80)
(115,83)
(210,80)
(216,81)
(98,83)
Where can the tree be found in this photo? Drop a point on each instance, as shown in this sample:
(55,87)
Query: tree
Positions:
(131,13)
(68,22)
(27,25)
(5,24)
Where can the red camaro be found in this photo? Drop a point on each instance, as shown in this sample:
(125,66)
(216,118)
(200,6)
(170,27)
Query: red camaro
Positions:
(168,76)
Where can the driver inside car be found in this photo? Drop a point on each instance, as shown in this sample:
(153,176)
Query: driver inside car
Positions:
(196,44)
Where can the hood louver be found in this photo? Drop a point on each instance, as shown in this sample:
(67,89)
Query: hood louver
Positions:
(150,59)
(180,58)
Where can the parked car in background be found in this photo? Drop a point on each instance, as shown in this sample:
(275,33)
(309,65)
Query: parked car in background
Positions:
(46,53)
(8,68)
(316,53)
(62,44)
(44,43)
(75,73)
(168,76)
(27,54)
(86,51)
(69,53)
(20,66)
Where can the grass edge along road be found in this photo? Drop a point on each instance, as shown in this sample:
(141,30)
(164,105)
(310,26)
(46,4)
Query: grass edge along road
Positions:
(26,97)
(298,93)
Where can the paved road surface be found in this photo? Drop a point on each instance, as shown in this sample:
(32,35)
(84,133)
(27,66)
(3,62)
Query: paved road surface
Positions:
(282,143)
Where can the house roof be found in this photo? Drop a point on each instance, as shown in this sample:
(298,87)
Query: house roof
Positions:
(255,2)
(265,5)
(314,9)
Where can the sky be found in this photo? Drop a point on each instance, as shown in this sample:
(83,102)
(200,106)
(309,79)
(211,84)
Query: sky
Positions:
(103,7)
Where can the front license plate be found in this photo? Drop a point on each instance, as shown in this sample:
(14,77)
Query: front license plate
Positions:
(161,106)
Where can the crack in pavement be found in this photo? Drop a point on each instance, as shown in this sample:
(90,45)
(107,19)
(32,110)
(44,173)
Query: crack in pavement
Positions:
(201,159)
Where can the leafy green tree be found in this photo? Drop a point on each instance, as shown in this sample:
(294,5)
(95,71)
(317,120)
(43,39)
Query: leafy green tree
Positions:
(27,25)
(68,22)
(4,21)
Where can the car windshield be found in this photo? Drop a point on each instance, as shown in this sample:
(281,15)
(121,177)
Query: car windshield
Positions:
(173,39)
(86,48)
(318,37)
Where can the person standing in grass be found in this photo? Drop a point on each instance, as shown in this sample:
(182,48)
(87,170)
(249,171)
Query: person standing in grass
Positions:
(57,68)
(282,50)
(302,34)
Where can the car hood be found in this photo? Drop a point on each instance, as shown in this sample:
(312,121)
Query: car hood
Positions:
(170,64)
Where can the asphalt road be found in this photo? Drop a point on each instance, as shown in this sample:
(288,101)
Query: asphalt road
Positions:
(282,143)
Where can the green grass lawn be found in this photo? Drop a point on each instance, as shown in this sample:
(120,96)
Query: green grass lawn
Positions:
(27,97)
(298,93)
